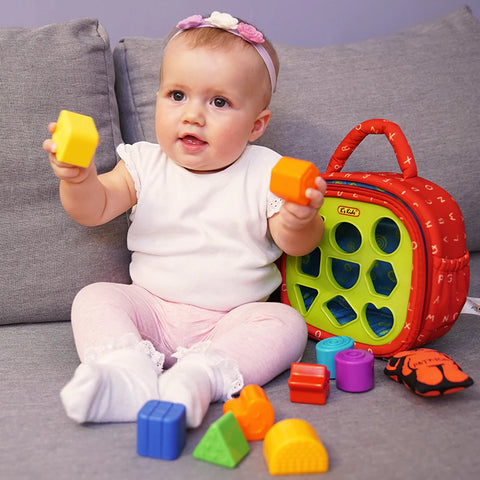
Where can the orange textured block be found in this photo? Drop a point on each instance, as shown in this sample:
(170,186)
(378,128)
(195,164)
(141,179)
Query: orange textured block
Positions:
(291,177)
(309,383)
(253,412)
(292,446)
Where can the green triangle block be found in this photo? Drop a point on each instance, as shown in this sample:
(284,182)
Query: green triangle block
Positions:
(223,443)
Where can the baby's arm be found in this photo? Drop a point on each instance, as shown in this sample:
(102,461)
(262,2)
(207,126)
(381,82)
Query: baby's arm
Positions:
(88,198)
(298,229)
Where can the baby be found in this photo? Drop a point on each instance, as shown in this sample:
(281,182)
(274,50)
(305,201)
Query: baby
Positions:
(205,234)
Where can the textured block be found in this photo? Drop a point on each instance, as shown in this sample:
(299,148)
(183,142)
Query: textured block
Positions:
(292,446)
(309,383)
(327,348)
(223,444)
(161,430)
(253,411)
(291,177)
(355,372)
(76,138)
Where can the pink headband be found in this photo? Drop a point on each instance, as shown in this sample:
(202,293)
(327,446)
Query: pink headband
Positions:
(230,24)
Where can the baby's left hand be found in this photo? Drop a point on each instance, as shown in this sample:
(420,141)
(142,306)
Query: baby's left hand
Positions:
(297,229)
(297,217)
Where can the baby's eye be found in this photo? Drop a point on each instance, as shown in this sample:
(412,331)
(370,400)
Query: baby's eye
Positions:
(220,102)
(177,96)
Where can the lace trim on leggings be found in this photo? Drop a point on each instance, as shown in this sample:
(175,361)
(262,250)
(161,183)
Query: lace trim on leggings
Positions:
(93,354)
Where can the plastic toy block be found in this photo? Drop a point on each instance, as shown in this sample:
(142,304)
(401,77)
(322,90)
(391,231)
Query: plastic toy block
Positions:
(253,411)
(223,444)
(76,138)
(354,370)
(327,348)
(309,383)
(292,446)
(161,430)
(291,177)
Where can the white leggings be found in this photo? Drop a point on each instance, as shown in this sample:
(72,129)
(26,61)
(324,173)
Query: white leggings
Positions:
(264,338)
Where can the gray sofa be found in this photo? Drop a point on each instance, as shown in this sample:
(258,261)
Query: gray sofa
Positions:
(424,78)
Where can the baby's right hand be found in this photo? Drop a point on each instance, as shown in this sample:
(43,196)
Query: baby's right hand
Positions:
(64,171)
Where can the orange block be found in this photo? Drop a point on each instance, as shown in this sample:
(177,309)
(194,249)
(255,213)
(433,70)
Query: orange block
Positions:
(291,177)
(253,412)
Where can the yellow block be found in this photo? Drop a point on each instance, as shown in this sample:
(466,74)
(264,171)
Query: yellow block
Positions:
(76,138)
(292,446)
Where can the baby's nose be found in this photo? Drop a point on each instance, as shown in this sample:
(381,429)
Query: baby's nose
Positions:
(194,113)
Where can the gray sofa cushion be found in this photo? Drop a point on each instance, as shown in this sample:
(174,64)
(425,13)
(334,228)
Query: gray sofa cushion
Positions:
(44,70)
(424,78)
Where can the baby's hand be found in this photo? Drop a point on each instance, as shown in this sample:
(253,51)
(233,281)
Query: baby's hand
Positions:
(297,217)
(64,171)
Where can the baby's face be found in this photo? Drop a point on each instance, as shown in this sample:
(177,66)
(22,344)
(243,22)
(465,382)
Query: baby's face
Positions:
(210,104)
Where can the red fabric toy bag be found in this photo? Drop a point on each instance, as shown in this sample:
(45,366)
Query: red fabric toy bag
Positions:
(392,269)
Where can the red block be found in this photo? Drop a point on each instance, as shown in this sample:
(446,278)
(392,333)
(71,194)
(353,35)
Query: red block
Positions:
(309,383)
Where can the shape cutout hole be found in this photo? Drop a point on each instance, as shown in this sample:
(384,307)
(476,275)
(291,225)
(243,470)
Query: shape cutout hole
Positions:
(387,235)
(308,296)
(379,320)
(345,273)
(341,310)
(383,277)
(348,237)
(310,264)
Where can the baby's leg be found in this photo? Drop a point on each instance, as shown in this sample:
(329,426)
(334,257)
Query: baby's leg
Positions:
(250,345)
(264,338)
(119,370)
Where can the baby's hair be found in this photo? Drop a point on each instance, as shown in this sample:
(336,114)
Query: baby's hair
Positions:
(220,38)
(216,37)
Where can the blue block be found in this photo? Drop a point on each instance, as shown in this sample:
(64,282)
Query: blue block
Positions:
(161,430)
(327,348)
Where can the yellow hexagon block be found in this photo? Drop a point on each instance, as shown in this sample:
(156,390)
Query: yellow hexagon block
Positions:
(292,446)
(76,138)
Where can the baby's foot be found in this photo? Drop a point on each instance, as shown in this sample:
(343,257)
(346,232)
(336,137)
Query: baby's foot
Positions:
(198,378)
(190,385)
(112,389)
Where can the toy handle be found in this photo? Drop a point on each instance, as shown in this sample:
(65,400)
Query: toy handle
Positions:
(395,136)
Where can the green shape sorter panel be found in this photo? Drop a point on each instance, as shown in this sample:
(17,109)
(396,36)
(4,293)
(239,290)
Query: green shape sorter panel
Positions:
(357,281)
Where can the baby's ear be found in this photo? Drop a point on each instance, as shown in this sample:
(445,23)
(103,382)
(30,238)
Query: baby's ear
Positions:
(260,124)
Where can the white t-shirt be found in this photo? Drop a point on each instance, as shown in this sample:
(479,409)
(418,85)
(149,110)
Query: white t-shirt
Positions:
(203,239)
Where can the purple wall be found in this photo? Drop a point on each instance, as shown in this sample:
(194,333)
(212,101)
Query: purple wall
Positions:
(300,22)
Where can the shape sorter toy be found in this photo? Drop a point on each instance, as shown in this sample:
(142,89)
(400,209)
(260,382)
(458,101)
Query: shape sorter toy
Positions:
(161,430)
(309,383)
(223,444)
(76,138)
(392,269)
(253,411)
(291,177)
(292,446)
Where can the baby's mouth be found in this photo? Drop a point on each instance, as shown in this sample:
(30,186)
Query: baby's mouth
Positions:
(193,141)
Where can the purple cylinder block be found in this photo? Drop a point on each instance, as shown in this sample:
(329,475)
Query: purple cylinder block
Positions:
(354,370)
